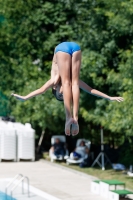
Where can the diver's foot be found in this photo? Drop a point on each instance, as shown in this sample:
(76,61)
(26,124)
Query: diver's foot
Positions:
(75,128)
(68,124)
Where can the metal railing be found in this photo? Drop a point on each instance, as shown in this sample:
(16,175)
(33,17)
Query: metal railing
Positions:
(15,184)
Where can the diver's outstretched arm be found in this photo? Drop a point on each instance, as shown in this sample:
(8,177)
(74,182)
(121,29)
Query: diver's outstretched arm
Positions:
(94,92)
(41,90)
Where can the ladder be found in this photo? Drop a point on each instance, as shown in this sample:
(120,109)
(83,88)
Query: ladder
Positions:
(15,182)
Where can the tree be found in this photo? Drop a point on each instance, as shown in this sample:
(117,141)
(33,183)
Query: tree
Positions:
(107,63)
(29,33)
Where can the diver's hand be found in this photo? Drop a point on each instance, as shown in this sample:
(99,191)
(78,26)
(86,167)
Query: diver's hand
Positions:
(21,98)
(119,99)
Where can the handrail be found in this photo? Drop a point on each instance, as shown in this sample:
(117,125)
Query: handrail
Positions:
(10,183)
(18,182)
(22,179)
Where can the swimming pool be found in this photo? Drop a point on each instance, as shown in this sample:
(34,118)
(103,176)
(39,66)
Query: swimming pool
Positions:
(35,194)
(4,196)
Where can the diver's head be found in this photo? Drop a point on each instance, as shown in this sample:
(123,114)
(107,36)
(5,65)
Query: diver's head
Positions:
(58,92)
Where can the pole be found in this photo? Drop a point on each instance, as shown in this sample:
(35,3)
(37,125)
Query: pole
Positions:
(100,159)
(102,148)
(40,141)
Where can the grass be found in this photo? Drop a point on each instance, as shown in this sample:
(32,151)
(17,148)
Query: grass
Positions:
(106,174)
(99,173)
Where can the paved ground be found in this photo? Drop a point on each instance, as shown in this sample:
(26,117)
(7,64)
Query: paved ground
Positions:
(61,182)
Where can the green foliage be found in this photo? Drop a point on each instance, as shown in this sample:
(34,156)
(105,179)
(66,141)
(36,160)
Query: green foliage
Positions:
(103,28)
(31,31)
(107,63)
(4,105)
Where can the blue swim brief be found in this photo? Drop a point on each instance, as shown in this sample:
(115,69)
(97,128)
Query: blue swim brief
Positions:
(67,47)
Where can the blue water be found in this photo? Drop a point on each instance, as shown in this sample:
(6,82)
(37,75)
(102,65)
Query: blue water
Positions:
(4,196)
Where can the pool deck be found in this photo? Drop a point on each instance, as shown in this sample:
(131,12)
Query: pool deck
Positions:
(60,182)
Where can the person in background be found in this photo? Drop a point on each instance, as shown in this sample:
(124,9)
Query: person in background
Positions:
(80,151)
(58,148)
